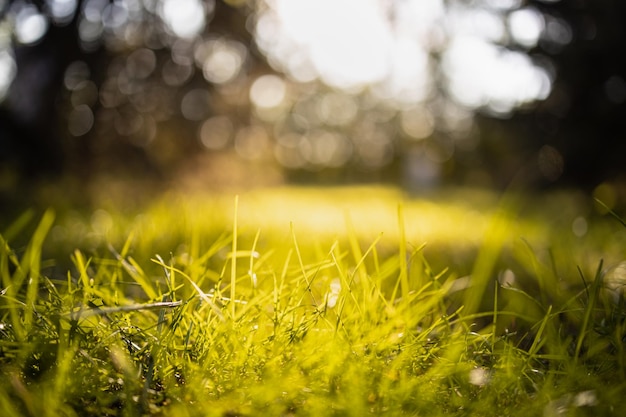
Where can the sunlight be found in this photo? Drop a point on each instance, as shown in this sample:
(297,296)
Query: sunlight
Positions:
(479,376)
(62,11)
(526,26)
(30,25)
(388,47)
(336,109)
(186,18)
(503,4)
(221,60)
(355,46)
(417,122)
(481,74)
(332,295)
(345,49)
(268,91)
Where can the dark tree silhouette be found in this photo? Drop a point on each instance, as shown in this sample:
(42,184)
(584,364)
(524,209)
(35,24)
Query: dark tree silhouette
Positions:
(585,116)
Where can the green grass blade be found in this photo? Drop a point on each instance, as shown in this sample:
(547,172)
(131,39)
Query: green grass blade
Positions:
(32,264)
(136,273)
(17,226)
(591,303)
(495,236)
(233,261)
(404,269)
(538,341)
(611,212)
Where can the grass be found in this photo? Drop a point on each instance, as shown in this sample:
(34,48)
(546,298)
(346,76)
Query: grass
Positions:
(342,302)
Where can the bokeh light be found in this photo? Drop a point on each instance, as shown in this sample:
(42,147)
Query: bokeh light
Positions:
(196,104)
(61,11)
(481,74)
(268,91)
(615,89)
(417,122)
(30,25)
(221,60)
(526,26)
(80,120)
(216,133)
(307,85)
(7,72)
(185,18)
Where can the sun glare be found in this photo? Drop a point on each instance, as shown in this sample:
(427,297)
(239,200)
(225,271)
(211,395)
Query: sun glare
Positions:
(526,26)
(353,44)
(30,25)
(347,41)
(62,11)
(186,18)
(481,74)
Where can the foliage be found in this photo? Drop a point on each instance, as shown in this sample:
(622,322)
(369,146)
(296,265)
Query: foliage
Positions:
(250,322)
(147,88)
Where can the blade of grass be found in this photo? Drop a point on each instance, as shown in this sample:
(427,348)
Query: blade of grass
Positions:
(301,264)
(404,273)
(494,325)
(365,280)
(358,257)
(33,257)
(136,272)
(81,265)
(233,261)
(534,348)
(591,302)
(204,296)
(254,254)
(17,226)
(611,212)
(495,235)
(103,311)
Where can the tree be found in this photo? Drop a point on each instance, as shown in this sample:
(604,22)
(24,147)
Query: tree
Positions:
(504,85)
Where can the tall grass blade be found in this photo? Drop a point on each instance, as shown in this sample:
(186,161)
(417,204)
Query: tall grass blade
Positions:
(137,274)
(105,311)
(31,263)
(404,269)
(81,265)
(611,212)
(537,342)
(18,225)
(596,285)
(233,261)
(302,267)
(207,298)
(496,234)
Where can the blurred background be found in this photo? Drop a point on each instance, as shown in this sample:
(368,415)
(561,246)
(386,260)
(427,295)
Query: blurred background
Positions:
(144,95)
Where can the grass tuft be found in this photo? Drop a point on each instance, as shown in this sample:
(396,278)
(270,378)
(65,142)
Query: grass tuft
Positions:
(192,319)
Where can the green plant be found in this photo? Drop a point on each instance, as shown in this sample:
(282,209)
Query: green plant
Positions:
(234,323)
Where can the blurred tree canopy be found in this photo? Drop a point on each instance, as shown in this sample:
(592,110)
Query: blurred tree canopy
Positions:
(421,92)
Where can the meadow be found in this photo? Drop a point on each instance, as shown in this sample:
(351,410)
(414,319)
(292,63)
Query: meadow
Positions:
(345,301)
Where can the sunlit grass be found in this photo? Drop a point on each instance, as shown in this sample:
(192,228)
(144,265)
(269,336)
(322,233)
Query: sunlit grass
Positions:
(346,301)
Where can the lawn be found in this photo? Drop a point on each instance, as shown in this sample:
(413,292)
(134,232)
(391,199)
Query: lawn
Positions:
(315,301)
